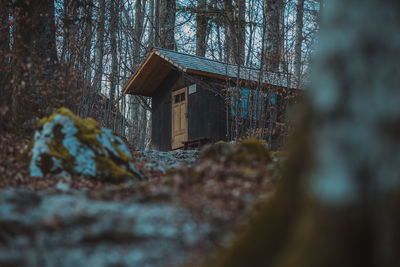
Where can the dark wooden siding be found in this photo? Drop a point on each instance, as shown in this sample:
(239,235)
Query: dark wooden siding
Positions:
(206,114)
(161,114)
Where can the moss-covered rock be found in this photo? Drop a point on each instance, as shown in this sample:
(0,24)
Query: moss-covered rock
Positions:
(246,151)
(65,142)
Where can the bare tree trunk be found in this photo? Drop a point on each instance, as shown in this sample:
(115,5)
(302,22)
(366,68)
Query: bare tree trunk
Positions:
(157,15)
(99,47)
(5,58)
(167,24)
(219,42)
(136,110)
(114,64)
(138,30)
(272,38)
(98,58)
(338,201)
(241,31)
(87,66)
(66,30)
(282,32)
(151,41)
(235,24)
(201,28)
(34,57)
(229,35)
(299,41)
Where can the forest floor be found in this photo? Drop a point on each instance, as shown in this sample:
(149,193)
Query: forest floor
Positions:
(184,211)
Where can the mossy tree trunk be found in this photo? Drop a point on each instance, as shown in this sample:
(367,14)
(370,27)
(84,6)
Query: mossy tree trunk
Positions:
(338,201)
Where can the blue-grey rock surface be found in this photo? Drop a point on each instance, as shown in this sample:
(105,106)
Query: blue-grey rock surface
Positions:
(70,229)
(165,161)
(65,143)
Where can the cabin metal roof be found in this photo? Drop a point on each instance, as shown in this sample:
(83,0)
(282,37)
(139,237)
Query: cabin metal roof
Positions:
(160,61)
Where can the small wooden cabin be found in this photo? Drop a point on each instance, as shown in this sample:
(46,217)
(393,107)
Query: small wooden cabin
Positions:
(188,99)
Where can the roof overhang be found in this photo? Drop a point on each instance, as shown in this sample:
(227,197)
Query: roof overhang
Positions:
(155,68)
(151,74)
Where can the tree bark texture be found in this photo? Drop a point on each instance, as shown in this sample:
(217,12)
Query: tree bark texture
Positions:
(235,31)
(5,53)
(299,41)
(86,63)
(272,13)
(138,30)
(167,24)
(337,204)
(241,31)
(34,56)
(99,47)
(201,28)
(114,18)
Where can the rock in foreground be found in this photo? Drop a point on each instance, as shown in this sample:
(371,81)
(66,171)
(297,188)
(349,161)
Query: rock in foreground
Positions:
(66,143)
(53,229)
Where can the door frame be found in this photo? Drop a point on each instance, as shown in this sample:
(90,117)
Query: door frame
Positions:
(173,94)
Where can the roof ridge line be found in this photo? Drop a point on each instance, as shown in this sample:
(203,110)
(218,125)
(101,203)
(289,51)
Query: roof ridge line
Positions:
(209,59)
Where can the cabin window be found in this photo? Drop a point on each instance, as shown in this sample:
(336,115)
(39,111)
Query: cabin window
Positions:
(192,89)
(179,98)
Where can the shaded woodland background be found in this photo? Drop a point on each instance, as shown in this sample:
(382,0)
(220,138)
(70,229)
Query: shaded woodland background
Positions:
(338,196)
(80,53)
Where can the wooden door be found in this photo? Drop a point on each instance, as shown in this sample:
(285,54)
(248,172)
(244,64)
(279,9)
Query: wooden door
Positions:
(179,118)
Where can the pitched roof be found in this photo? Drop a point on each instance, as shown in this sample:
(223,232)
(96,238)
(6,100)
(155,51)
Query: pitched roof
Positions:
(160,61)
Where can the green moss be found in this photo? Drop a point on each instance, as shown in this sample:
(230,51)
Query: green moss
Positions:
(122,154)
(246,151)
(252,150)
(87,128)
(279,154)
(248,171)
(118,173)
(116,168)
(58,150)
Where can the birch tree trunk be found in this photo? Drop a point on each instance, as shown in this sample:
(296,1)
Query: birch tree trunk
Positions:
(337,204)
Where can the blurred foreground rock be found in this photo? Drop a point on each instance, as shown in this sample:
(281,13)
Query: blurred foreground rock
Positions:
(53,229)
(247,151)
(165,161)
(67,144)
